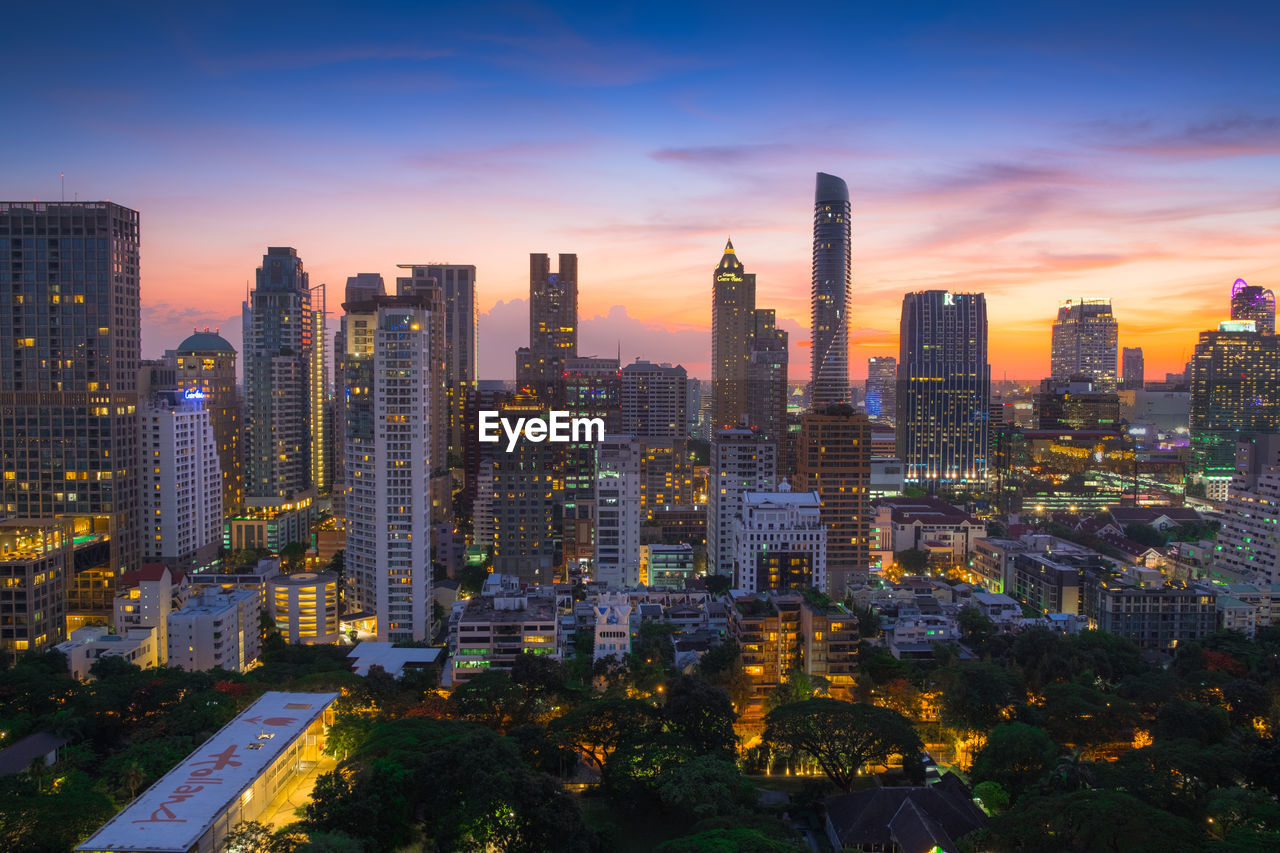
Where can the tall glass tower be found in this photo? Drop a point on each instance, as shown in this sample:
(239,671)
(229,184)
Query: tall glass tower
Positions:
(1085,341)
(832,282)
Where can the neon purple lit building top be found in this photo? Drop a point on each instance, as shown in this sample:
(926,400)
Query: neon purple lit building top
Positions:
(1251,302)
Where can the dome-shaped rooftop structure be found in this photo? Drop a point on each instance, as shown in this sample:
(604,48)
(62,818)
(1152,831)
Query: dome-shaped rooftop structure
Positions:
(206,341)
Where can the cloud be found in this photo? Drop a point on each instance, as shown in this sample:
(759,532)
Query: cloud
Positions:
(1242,134)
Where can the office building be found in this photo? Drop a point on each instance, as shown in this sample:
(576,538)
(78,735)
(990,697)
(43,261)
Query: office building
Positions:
(257,759)
(182,484)
(528,505)
(834,460)
(1150,613)
(1074,404)
(742,461)
(393,412)
(36,561)
(1251,302)
(69,361)
(269,524)
(767,379)
(490,630)
(461,321)
(654,400)
(1249,541)
(206,370)
(1134,368)
(779,541)
(1085,338)
(304,607)
(668,566)
(831,291)
(553,327)
(592,388)
(944,388)
(617,500)
(882,388)
(733,303)
(284,380)
(1235,388)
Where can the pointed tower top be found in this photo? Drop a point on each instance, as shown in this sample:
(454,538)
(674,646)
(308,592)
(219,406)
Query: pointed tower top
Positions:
(729,261)
(728,246)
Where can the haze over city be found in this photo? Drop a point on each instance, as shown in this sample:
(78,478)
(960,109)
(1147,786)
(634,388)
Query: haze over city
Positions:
(1032,155)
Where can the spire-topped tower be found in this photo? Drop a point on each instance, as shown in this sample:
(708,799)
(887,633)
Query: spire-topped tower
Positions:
(733,303)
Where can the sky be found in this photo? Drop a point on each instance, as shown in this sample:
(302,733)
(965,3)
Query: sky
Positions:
(1034,152)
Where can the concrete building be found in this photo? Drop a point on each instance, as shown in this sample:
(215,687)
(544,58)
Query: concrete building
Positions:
(528,505)
(780,542)
(144,600)
(233,777)
(667,566)
(182,484)
(834,460)
(490,630)
(216,629)
(1249,541)
(304,607)
(270,523)
(394,660)
(882,389)
(36,559)
(831,292)
(612,626)
(1251,302)
(654,409)
(85,646)
(733,303)
(742,461)
(1134,367)
(206,369)
(905,523)
(1144,609)
(1085,341)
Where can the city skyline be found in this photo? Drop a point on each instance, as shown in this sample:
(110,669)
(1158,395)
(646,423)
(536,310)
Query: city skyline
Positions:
(1135,162)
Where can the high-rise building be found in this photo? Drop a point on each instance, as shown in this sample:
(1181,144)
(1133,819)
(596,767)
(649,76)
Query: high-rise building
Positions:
(1075,405)
(390,373)
(206,370)
(284,381)
(181,482)
(69,360)
(832,286)
(462,317)
(944,388)
(1249,541)
(617,539)
(1085,337)
(767,378)
(733,304)
(593,388)
(1134,368)
(654,400)
(553,326)
(882,388)
(834,460)
(1235,388)
(1251,302)
(742,461)
(36,563)
(350,378)
(528,504)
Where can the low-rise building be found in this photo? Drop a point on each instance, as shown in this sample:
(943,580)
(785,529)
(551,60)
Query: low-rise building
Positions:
(667,566)
(612,611)
(1001,609)
(394,660)
(903,523)
(146,597)
(259,756)
(489,631)
(1155,616)
(780,541)
(139,646)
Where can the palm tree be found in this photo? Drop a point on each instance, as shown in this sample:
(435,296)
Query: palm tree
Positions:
(1073,772)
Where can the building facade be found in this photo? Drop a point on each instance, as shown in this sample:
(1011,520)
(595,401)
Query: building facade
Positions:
(1134,366)
(304,607)
(206,367)
(834,460)
(36,560)
(1251,302)
(1249,541)
(617,498)
(1085,340)
(944,388)
(831,291)
(742,461)
(733,303)
(182,484)
(882,388)
(780,542)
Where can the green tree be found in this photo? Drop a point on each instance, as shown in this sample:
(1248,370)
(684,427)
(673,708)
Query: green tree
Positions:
(293,557)
(1015,756)
(738,840)
(843,737)
(797,687)
(975,695)
(596,728)
(701,715)
(1089,821)
(975,626)
(993,796)
(912,561)
(704,787)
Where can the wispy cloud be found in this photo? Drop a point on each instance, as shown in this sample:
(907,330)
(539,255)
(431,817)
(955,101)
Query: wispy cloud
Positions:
(1241,134)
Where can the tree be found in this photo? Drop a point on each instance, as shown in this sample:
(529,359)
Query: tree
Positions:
(975,695)
(1015,756)
(492,700)
(797,687)
(913,561)
(701,715)
(842,737)
(975,626)
(250,836)
(719,585)
(704,787)
(1088,821)
(595,729)
(737,840)
(293,557)
(1081,715)
(994,798)
(1145,534)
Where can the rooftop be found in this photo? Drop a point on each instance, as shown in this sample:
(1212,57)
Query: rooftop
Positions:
(173,814)
(390,657)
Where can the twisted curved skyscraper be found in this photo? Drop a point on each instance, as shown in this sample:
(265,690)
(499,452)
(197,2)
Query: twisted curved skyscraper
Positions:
(832,281)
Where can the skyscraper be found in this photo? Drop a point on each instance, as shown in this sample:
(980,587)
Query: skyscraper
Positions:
(207,370)
(944,388)
(767,379)
(1134,368)
(462,345)
(832,285)
(1249,541)
(390,374)
(553,326)
(882,388)
(742,461)
(733,303)
(1085,338)
(617,540)
(654,401)
(1251,302)
(284,432)
(69,360)
(1235,388)
(835,461)
(181,481)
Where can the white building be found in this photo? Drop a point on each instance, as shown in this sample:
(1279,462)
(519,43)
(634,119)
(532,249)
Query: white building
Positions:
(86,645)
(780,541)
(304,606)
(146,597)
(389,420)
(618,479)
(216,629)
(1249,541)
(181,492)
(613,621)
(742,461)
(252,761)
